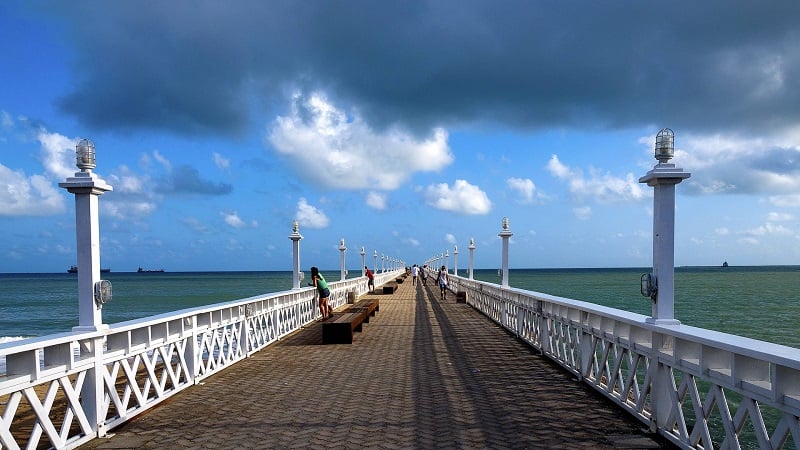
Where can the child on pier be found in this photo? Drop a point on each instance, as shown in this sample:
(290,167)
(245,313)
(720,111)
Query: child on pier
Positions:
(319,282)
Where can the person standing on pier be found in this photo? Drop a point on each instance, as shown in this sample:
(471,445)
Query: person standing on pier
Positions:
(370,279)
(414,273)
(318,281)
(443,279)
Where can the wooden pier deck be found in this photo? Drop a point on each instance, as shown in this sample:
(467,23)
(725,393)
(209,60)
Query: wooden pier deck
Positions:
(424,373)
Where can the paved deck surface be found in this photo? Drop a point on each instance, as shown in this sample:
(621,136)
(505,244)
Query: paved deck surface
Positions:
(424,373)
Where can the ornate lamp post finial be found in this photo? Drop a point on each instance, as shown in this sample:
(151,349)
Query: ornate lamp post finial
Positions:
(84,155)
(665,146)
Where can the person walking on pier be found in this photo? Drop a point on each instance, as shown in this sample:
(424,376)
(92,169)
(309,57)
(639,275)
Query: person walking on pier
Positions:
(443,279)
(370,279)
(423,273)
(318,281)
(414,273)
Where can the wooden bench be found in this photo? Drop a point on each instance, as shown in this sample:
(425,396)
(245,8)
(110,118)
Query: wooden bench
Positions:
(399,280)
(389,288)
(461,297)
(370,305)
(339,328)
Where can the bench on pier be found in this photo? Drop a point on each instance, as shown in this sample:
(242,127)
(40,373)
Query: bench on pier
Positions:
(339,328)
(370,305)
(389,288)
(399,280)
(461,297)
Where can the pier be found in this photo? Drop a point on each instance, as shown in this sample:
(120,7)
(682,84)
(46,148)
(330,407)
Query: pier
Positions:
(489,366)
(423,373)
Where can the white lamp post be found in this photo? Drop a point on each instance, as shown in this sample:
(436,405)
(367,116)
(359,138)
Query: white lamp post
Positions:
(471,256)
(342,270)
(375,265)
(88,187)
(92,291)
(455,260)
(447,260)
(363,262)
(383,263)
(297,276)
(505,235)
(663,178)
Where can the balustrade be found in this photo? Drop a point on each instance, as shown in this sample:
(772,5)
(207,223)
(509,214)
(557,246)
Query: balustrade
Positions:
(138,364)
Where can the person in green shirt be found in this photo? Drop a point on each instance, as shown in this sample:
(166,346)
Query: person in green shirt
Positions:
(318,281)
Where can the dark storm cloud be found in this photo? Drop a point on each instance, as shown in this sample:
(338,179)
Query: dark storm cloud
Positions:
(196,66)
(187,180)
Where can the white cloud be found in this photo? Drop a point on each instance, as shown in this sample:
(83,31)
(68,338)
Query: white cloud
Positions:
(411,241)
(582,212)
(345,153)
(124,209)
(788,201)
(769,229)
(779,217)
(450,238)
(5,119)
(195,224)
(232,218)
(220,161)
(730,163)
(722,231)
(28,196)
(524,187)
(309,216)
(162,160)
(376,200)
(462,198)
(58,154)
(604,188)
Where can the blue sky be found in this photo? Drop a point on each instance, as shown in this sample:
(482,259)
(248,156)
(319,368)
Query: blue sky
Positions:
(403,127)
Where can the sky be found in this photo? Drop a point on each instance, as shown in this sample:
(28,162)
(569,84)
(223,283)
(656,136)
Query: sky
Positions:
(406,128)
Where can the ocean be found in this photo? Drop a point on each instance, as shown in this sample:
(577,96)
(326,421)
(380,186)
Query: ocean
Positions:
(759,302)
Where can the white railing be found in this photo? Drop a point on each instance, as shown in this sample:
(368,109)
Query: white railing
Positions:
(66,389)
(698,388)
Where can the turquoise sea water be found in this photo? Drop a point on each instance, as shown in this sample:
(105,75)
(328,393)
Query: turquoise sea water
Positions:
(758,302)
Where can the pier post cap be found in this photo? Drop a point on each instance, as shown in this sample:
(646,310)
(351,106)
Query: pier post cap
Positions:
(85,155)
(295,236)
(85,181)
(471,243)
(341,245)
(665,145)
(664,173)
(505,232)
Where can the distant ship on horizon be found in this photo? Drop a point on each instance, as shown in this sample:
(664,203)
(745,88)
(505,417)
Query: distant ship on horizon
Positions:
(140,270)
(74,269)
(725,264)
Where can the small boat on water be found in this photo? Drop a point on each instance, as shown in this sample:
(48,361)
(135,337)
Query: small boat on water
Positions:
(725,264)
(74,269)
(140,270)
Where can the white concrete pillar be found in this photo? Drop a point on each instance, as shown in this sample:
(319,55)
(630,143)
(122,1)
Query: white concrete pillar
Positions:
(363,262)
(343,268)
(455,260)
(87,187)
(663,178)
(295,237)
(505,235)
(471,256)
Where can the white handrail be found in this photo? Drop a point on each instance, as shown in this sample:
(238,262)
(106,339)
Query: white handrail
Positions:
(697,387)
(135,365)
